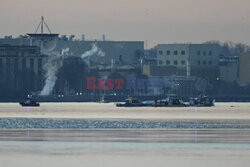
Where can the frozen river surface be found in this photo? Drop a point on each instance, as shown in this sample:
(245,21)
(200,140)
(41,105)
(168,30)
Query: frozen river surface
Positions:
(101,135)
(122,148)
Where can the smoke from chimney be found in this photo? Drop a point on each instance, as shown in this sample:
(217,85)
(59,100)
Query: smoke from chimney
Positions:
(55,62)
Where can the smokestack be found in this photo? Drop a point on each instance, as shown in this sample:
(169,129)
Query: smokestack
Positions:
(83,37)
(103,37)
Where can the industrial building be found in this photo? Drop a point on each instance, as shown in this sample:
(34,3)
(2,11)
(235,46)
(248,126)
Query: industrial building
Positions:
(182,69)
(121,57)
(120,52)
(20,68)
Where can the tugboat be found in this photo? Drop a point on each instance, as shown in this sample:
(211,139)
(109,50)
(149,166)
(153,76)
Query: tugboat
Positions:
(132,102)
(201,102)
(29,103)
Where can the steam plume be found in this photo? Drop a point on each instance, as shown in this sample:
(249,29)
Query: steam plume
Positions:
(55,62)
(51,68)
(94,51)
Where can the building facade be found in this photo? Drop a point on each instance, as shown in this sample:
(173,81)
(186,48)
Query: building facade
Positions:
(120,52)
(121,57)
(200,60)
(21,68)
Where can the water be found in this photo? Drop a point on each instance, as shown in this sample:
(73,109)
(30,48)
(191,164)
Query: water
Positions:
(129,148)
(35,123)
(101,135)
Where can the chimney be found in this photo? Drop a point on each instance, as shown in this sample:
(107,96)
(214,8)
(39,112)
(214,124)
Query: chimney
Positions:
(83,37)
(103,37)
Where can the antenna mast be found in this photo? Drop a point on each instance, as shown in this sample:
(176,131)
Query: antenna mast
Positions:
(42,22)
(43,39)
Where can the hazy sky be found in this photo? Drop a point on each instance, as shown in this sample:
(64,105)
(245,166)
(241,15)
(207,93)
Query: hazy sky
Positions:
(157,21)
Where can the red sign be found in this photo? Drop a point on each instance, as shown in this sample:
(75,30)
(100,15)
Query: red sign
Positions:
(96,83)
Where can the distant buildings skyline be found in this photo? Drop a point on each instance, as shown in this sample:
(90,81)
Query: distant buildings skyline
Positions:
(186,69)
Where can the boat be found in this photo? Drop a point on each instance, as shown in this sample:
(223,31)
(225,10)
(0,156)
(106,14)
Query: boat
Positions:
(169,102)
(29,103)
(203,101)
(132,102)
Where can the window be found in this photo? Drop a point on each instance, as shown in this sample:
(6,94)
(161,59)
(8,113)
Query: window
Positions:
(210,63)
(167,62)
(175,62)
(210,53)
(168,52)
(160,52)
(160,61)
(204,53)
(198,53)
(183,62)
(175,52)
(199,62)
(183,52)
(204,62)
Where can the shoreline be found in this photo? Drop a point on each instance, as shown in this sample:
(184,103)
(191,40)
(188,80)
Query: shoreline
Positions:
(108,111)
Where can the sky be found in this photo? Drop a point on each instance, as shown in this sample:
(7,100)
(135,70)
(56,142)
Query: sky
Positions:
(152,21)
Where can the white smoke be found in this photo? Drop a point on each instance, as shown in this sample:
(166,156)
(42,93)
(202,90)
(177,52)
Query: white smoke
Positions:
(51,68)
(93,51)
(65,52)
(55,62)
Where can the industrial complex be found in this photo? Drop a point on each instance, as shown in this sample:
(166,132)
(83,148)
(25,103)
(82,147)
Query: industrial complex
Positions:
(180,69)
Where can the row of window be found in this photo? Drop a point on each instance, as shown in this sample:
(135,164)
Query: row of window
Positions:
(204,62)
(183,62)
(204,53)
(175,62)
(176,52)
(8,62)
(17,53)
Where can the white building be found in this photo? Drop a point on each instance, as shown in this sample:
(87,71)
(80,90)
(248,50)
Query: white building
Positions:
(190,59)
(179,55)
